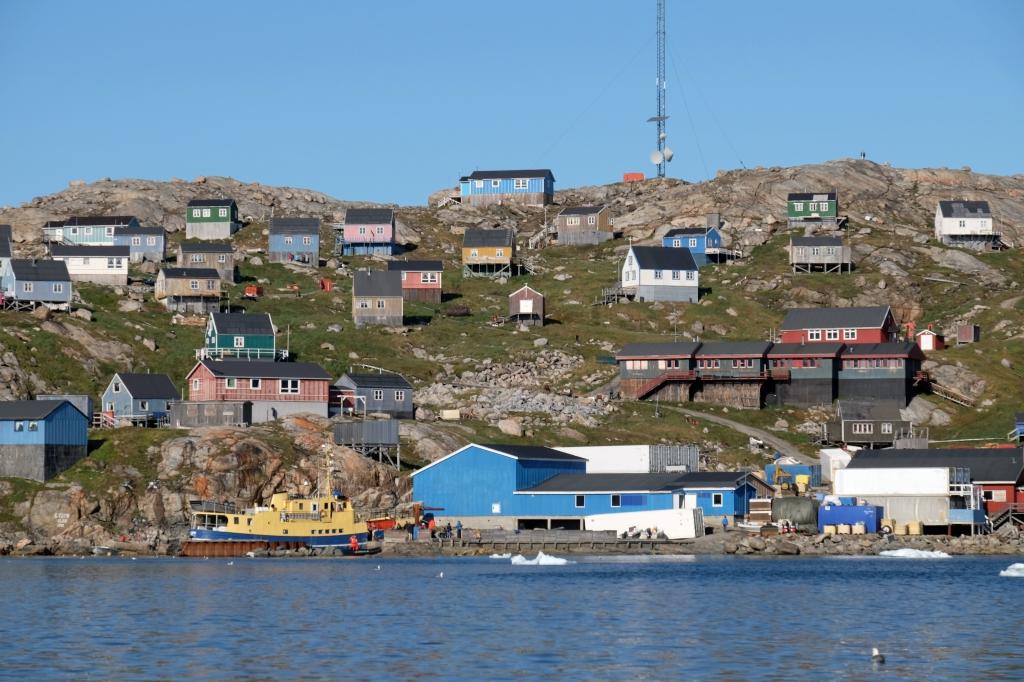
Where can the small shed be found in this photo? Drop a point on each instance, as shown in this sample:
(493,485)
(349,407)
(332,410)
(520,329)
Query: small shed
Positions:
(967,333)
(526,306)
(929,340)
(84,403)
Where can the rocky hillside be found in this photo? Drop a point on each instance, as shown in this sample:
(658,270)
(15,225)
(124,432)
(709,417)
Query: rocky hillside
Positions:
(539,384)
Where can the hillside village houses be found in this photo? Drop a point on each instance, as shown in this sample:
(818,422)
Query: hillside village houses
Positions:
(366,232)
(274,389)
(487,252)
(871,324)
(814,208)
(29,282)
(94,230)
(377,298)
(219,256)
(967,224)
(211,219)
(526,187)
(819,254)
(97,264)
(375,393)
(421,279)
(702,242)
(144,243)
(656,273)
(867,423)
(295,241)
(243,336)
(188,290)
(41,438)
(584,225)
(526,306)
(137,398)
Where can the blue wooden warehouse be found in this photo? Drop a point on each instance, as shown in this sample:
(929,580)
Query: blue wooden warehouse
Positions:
(41,438)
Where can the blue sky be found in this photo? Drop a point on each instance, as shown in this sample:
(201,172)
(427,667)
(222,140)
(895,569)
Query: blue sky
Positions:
(390,101)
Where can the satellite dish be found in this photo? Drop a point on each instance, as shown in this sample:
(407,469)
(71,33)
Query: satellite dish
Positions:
(668,154)
(656,157)
(662,136)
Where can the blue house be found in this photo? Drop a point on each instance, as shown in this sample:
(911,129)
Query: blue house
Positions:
(701,241)
(528,187)
(87,230)
(31,282)
(144,243)
(722,493)
(138,398)
(295,240)
(41,438)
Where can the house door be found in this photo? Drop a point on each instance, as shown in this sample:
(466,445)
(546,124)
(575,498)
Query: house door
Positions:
(690,501)
(526,307)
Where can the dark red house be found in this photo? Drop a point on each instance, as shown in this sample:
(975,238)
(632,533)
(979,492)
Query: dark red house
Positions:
(874,324)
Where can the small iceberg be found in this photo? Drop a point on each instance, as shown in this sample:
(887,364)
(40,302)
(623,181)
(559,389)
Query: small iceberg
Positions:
(541,559)
(1013,571)
(507,555)
(908,553)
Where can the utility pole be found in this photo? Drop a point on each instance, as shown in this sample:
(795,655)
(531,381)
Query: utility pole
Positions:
(661,154)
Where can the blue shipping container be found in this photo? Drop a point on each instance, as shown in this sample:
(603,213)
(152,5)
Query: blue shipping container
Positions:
(833,515)
(794,470)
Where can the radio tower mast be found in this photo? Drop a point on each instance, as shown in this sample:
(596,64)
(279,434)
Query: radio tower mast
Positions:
(662,154)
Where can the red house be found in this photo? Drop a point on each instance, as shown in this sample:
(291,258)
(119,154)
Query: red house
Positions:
(275,389)
(874,324)
(421,279)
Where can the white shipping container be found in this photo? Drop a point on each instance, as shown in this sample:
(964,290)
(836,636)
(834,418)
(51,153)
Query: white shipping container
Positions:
(676,524)
(886,481)
(832,460)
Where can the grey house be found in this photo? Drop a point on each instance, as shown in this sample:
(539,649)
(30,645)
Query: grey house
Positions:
(31,282)
(819,254)
(377,298)
(138,398)
(868,423)
(144,243)
(294,240)
(382,393)
(41,438)
(217,255)
(211,219)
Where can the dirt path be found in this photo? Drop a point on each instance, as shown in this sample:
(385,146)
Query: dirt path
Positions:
(784,447)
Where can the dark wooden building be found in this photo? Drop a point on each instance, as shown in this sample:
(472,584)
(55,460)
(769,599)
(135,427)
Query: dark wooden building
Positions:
(526,306)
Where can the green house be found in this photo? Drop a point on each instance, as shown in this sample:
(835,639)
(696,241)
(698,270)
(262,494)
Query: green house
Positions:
(211,219)
(240,335)
(805,207)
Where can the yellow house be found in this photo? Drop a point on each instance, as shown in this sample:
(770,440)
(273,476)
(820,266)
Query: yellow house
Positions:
(488,253)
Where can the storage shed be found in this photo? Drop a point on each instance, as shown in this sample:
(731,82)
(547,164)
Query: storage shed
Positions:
(967,333)
(40,438)
(526,306)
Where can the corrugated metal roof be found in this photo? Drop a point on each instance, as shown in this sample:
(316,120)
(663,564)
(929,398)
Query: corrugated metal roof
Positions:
(243,323)
(149,386)
(86,251)
(212,202)
(582,210)
(103,220)
(477,237)
(680,349)
(901,349)
(663,258)
(206,247)
(376,380)
(821,318)
(816,241)
(145,231)
(687,231)
(608,483)
(817,350)
(811,196)
(29,270)
(991,465)
(965,209)
(28,409)
(726,348)
(294,226)
(270,370)
(873,410)
(377,283)
(505,174)
(415,265)
(190,273)
(369,216)
(538,452)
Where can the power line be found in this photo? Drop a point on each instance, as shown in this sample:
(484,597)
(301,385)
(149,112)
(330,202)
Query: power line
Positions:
(686,106)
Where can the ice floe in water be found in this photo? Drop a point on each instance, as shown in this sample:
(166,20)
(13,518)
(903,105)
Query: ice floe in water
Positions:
(541,559)
(908,553)
(507,555)
(1013,571)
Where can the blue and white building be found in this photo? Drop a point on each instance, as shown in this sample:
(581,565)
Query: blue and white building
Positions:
(656,273)
(138,398)
(702,242)
(529,187)
(144,243)
(41,438)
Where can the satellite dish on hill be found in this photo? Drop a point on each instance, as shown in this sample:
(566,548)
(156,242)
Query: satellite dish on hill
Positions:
(668,154)
(656,157)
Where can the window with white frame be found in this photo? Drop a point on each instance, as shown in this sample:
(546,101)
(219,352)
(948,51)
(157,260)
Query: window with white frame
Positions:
(306,241)
(717,499)
(378,394)
(239,342)
(197,212)
(616,501)
(231,382)
(206,213)
(572,220)
(195,384)
(150,241)
(255,383)
(474,253)
(581,501)
(495,183)
(675,275)
(677,243)
(197,258)
(743,363)
(222,258)
(287,240)
(381,304)
(363,303)
(362,230)
(33,426)
(479,184)
(58,288)
(832,334)
(87,231)
(144,405)
(657,274)
(222,212)
(499,253)
(289,386)
(886,427)
(849,334)
(813,206)
(136,241)
(110,232)
(19,426)
(814,334)
(428,278)
(26,287)
(693,243)
(211,284)
(380,230)
(798,206)
(520,183)
(690,275)
(117,387)
(193,285)
(399,396)
(862,428)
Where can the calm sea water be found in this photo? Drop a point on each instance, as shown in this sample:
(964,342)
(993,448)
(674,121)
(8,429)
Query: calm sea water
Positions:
(716,618)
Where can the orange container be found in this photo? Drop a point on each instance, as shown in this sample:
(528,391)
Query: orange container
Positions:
(327,285)
(632,177)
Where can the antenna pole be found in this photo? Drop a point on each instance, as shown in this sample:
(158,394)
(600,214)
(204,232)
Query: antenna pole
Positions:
(660,83)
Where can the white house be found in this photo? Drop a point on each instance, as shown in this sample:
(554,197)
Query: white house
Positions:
(97,264)
(966,223)
(656,273)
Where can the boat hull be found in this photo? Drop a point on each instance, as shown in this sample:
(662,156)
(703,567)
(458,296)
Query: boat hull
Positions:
(342,540)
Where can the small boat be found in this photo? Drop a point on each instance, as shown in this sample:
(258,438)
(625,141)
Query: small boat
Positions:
(101,550)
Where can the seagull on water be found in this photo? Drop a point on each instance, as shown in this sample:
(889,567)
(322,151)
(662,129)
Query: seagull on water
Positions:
(231,563)
(378,567)
(877,657)
(441,574)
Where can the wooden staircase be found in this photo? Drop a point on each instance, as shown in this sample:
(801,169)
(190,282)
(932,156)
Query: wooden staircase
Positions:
(951,394)
(662,379)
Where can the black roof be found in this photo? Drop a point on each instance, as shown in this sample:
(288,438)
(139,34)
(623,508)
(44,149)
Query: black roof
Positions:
(212,202)
(965,209)
(608,483)
(686,231)
(376,380)
(499,174)
(243,323)
(5,241)
(29,270)
(707,479)
(533,452)
(869,410)
(478,236)
(723,348)
(888,349)
(816,350)
(189,273)
(124,229)
(821,318)
(98,251)
(663,258)
(816,241)
(206,247)
(582,210)
(416,265)
(28,409)
(990,465)
(294,226)
(377,283)
(88,220)
(654,350)
(256,369)
(149,386)
(811,196)
(369,216)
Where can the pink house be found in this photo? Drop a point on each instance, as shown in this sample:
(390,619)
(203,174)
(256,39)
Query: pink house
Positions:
(275,389)
(367,232)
